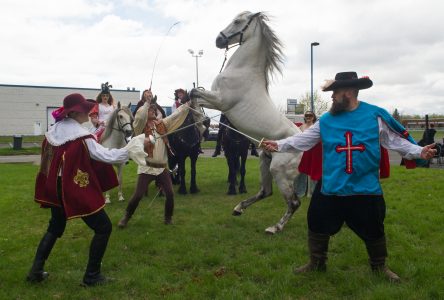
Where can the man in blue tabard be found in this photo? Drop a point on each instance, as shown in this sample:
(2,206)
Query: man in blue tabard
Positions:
(352,134)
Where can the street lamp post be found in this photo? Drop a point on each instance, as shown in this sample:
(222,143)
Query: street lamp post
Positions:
(311,56)
(199,54)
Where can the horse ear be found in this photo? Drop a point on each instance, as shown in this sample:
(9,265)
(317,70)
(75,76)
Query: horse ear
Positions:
(118,104)
(129,105)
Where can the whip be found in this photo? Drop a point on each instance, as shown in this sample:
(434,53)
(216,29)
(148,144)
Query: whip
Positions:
(158,51)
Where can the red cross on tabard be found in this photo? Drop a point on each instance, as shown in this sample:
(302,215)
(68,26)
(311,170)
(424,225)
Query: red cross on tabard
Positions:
(348,148)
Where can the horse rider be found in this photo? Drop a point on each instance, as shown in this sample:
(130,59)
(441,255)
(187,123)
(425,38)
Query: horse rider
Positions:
(74,171)
(102,111)
(349,191)
(180,97)
(147,96)
(157,161)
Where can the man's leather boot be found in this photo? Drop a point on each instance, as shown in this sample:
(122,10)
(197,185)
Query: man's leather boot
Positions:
(318,248)
(93,276)
(377,252)
(217,150)
(254,150)
(36,274)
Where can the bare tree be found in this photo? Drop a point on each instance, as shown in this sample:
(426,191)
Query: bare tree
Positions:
(320,105)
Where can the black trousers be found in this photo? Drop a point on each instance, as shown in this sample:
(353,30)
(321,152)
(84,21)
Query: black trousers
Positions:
(99,222)
(364,214)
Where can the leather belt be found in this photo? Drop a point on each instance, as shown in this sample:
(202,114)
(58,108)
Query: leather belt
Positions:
(155,165)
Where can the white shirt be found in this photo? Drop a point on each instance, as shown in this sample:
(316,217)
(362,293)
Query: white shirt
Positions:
(105,112)
(69,130)
(390,140)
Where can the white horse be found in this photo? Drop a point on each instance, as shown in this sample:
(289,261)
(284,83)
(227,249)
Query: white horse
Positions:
(118,128)
(240,91)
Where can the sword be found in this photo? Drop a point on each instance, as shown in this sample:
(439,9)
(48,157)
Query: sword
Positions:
(259,142)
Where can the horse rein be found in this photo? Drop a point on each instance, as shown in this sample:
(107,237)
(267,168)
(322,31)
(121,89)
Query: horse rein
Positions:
(241,33)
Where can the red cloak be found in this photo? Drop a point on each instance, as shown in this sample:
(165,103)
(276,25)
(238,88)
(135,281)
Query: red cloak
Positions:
(83,179)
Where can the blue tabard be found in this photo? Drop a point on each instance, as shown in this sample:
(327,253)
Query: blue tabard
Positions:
(351,151)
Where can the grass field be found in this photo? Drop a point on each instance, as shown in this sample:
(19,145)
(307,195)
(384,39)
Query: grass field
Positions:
(209,254)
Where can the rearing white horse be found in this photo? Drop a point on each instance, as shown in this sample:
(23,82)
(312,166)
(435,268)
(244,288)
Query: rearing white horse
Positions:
(240,91)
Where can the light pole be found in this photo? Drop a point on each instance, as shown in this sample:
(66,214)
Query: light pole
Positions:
(199,54)
(311,47)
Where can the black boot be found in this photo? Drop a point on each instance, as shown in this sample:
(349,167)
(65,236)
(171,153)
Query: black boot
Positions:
(318,248)
(36,274)
(377,252)
(253,150)
(97,249)
(217,150)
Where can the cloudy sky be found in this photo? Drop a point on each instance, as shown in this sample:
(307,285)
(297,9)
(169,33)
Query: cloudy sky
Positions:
(81,43)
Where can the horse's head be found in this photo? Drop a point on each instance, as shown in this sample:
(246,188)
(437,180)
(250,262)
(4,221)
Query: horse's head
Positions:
(124,120)
(237,31)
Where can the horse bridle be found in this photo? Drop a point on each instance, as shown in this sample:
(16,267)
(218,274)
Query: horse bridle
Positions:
(120,126)
(240,32)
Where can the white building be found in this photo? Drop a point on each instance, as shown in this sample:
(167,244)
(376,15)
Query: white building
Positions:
(26,110)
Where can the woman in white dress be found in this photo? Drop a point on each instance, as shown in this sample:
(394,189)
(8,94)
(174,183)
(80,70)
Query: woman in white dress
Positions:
(103,110)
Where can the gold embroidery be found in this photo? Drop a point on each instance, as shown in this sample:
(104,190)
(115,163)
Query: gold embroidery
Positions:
(81,178)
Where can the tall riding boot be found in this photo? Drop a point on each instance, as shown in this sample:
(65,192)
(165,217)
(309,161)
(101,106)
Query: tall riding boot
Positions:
(254,150)
(377,252)
(36,274)
(97,250)
(217,150)
(318,248)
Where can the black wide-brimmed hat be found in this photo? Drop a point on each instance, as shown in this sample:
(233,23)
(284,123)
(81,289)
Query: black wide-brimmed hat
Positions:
(347,80)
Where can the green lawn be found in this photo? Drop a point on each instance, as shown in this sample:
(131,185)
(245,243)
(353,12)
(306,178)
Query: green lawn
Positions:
(209,254)
(25,139)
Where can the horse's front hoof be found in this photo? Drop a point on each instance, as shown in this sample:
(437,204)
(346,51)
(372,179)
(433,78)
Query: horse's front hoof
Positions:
(182,191)
(271,230)
(236,213)
(242,190)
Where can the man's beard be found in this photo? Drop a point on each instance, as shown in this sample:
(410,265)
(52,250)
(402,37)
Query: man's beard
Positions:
(340,106)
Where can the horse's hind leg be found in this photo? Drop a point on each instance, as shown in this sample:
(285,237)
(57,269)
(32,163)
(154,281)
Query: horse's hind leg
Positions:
(120,177)
(285,171)
(266,185)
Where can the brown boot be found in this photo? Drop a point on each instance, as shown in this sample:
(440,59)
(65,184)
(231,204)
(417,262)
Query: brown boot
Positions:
(318,248)
(124,221)
(377,252)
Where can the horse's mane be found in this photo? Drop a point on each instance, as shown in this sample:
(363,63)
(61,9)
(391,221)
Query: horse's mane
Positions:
(112,120)
(273,46)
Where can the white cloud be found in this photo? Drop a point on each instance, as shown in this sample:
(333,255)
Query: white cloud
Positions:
(84,43)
